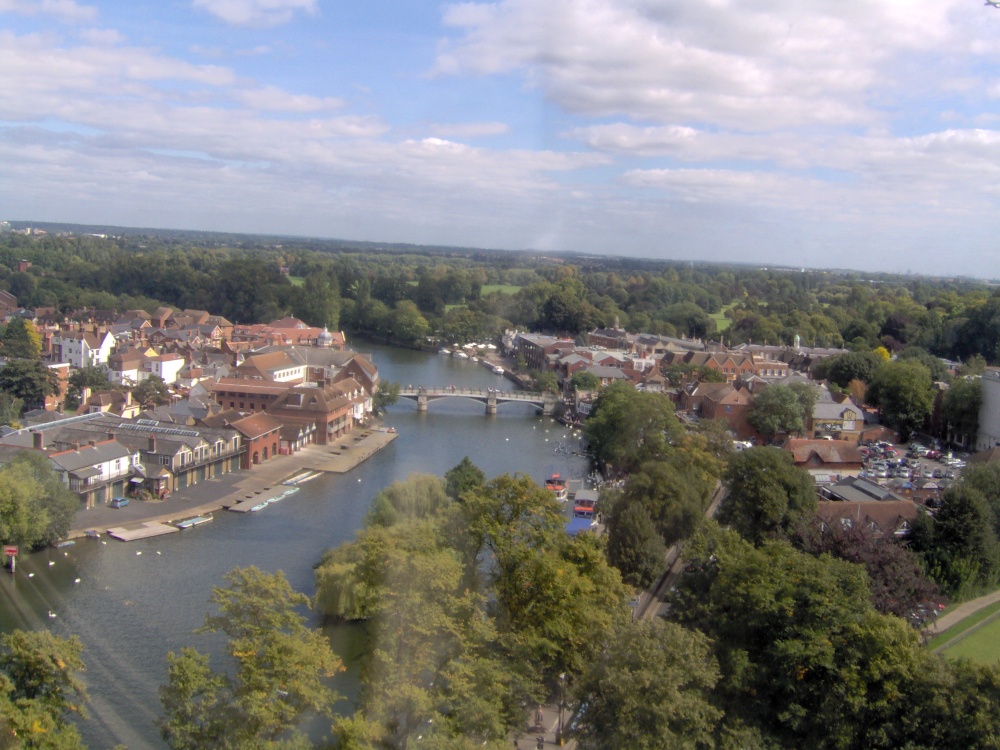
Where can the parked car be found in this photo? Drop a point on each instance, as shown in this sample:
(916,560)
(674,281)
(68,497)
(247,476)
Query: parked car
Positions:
(933,454)
(119,502)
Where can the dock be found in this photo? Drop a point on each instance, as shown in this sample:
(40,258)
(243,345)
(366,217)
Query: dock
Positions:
(187,523)
(257,502)
(141,531)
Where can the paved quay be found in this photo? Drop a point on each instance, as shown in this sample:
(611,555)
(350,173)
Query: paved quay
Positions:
(219,493)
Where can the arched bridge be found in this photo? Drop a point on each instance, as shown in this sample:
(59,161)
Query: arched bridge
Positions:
(423,395)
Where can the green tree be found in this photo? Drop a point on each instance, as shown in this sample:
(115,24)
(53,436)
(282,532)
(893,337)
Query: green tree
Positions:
(650,689)
(95,378)
(674,492)
(279,672)
(152,391)
(317,301)
(41,693)
(386,395)
(407,323)
(902,392)
(11,408)
(463,477)
(961,405)
(546,381)
(843,368)
(584,381)
(29,380)
(628,427)
(21,340)
(779,408)
(635,546)
(36,508)
(767,494)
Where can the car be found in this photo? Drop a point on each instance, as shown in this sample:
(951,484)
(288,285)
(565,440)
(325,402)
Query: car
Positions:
(933,455)
(938,474)
(119,502)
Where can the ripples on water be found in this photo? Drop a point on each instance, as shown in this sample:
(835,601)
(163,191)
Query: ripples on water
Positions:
(137,601)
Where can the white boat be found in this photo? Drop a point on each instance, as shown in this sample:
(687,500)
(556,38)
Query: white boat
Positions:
(475,358)
(460,355)
(196,521)
(497,370)
(445,352)
(559,487)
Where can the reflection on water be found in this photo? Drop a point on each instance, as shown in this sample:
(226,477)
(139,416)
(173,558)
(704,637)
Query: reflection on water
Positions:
(134,602)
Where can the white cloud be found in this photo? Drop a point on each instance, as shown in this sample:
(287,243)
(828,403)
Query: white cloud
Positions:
(274,99)
(469,129)
(67,11)
(257,12)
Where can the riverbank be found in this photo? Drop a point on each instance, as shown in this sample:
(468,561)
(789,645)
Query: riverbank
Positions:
(222,492)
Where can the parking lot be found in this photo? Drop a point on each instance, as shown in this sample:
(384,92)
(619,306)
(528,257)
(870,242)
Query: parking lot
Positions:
(914,461)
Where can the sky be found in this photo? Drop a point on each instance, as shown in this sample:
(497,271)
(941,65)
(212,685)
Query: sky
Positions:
(841,134)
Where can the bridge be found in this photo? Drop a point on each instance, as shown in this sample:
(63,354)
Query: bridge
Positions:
(423,395)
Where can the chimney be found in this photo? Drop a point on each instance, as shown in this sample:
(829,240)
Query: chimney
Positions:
(76,447)
(92,443)
(38,440)
(111,435)
(152,444)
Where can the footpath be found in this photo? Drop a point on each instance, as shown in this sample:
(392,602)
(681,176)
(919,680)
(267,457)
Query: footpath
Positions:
(547,730)
(221,492)
(963,610)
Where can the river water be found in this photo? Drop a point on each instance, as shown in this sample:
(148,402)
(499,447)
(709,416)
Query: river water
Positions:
(132,603)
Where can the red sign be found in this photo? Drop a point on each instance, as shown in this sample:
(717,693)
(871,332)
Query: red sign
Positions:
(10,550)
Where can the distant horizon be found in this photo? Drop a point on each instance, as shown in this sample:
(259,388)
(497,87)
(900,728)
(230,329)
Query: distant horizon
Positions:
(28,223)
(784,134)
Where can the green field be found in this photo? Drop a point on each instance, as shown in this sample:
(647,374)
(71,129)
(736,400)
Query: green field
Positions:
(297,280)
(982,646)
(722,323)
(502,288)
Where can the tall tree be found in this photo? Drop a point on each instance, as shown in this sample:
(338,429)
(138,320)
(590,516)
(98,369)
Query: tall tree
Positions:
(635,546)
(767,494)
(29,380)
(902,392)
(961,405)
(21,340)
(40,691)
(650,689)
(317,301)
(776,409)
(36,508)
(279,673)
(628,427)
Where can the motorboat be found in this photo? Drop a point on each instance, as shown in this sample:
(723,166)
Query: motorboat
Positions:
(558,486)
(460,355)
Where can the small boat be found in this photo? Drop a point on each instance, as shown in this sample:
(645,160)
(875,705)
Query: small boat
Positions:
(497,370)
(259,506)
(460,355)
(187,523)
(558,486)
(446,352)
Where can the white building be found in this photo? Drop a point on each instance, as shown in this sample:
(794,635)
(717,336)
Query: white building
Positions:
(989,412)
(82,348)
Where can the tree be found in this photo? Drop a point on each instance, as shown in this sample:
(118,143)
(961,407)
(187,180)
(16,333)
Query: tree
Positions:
(843,368)
(29,380)
(463,477)
(766,494)
(627,427)
(21,340)
(95,378)
(778,408)
(407,322)
(650,689)
(317,301)
(674,493)
(961,405)
(11,408)
(36,508)
(278,675)
(40,691)
(386,395)
(902,392)
(152,391)
(959,546)
(803,656)
(635,546)
(584,381)
(546,381)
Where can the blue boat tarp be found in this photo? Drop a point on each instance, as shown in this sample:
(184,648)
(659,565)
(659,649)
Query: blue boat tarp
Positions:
(575,525)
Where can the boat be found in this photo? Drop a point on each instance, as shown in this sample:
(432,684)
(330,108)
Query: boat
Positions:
(258,506)
(558,486)
(187,523)
(446,352)
(460,355)
(498,370)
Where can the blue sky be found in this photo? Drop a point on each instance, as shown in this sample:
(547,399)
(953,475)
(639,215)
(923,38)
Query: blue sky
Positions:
(851,134)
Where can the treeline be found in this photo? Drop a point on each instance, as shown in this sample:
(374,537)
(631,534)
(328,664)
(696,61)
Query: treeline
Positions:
(407,293)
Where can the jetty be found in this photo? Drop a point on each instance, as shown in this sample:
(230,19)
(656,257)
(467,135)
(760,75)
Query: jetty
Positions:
(141,531)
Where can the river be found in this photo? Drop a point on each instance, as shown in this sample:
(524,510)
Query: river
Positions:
(132,603)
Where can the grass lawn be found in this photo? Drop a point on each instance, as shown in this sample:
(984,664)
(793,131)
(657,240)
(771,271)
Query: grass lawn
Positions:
(983,646)
(502,288)
(297,280)
(962,625)
(722,323)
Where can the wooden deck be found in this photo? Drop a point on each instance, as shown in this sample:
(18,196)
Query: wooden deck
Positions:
(141,531)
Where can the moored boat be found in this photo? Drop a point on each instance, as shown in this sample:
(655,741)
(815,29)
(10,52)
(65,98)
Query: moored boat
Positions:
(460,355)
(187,523)
(558,486)
(498,370)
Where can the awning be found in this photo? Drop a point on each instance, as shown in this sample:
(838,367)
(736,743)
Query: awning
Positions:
(136,480)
